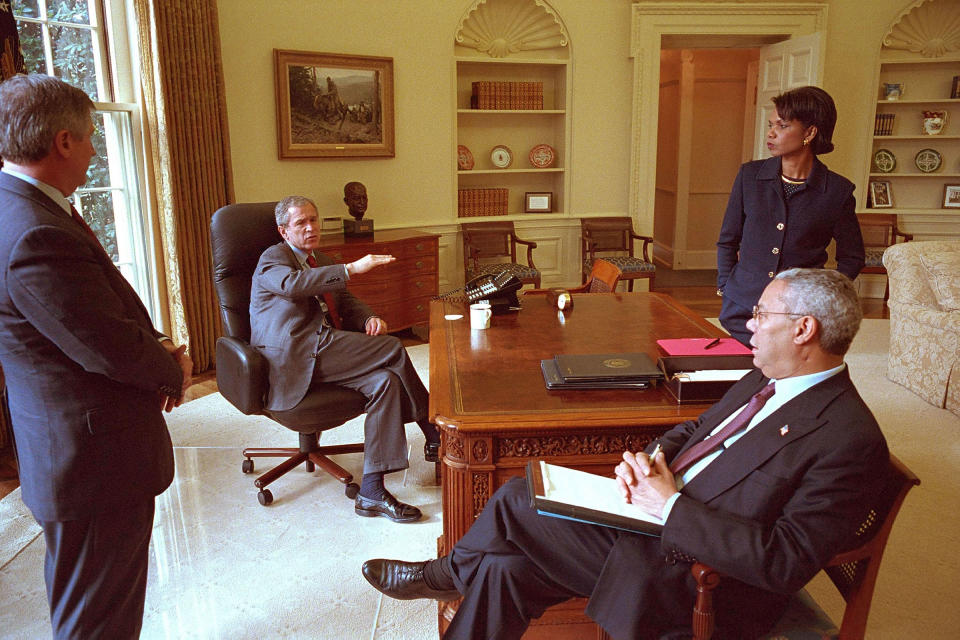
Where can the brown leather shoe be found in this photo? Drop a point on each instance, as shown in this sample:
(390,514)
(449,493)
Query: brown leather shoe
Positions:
(403,580)
(389,507)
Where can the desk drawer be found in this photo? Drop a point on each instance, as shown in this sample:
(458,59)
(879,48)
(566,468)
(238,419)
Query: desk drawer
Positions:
(402,287)
(400,314)
(412,248)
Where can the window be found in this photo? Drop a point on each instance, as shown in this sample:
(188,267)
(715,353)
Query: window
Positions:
(82,42)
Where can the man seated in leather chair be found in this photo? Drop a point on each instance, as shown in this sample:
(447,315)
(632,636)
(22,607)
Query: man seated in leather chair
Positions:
(310,329)
(782,487)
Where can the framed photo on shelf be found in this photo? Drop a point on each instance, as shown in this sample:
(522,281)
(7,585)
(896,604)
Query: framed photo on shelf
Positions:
(333,105)
(951,196)
(892,90)
(538,202)
(881,194)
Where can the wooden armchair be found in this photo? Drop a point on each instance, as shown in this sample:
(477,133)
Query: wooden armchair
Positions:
(483,240)
(854,573)
(613,237)
(879,232)
(603,279)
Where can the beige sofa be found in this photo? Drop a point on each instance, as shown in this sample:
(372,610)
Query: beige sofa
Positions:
(925,320)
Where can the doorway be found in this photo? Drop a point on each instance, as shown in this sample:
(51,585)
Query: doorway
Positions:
(659,30)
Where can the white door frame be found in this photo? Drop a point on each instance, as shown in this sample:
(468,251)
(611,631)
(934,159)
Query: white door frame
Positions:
(649,23)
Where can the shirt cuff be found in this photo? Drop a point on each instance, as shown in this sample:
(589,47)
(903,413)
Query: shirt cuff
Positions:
(672,500)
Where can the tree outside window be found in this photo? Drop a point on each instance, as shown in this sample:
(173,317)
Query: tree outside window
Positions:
(65,38)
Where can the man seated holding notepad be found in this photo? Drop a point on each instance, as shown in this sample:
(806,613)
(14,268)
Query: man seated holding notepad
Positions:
(782,493)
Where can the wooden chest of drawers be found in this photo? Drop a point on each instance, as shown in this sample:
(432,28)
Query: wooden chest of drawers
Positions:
(399,292)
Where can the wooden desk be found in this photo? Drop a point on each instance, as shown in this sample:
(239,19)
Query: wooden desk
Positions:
(488,397)
(399,292)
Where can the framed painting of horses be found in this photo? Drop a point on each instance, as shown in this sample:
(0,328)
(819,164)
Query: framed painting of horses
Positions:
(333,105)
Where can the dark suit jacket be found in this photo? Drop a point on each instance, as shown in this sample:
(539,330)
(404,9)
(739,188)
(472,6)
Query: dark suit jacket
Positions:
(285,318)
(83,366)
(769,512)
(758,238)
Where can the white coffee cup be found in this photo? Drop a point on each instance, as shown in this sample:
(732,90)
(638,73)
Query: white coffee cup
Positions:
(480,314)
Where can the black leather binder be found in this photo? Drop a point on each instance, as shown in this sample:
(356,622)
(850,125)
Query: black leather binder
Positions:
(554,382)
(606,367)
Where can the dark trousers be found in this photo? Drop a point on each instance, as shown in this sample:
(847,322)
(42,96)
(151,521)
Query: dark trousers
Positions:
(96,573)
(513,563)
(733,318)
(380,369)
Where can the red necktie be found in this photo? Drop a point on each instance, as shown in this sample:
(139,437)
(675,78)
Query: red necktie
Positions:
(707,445)
(327,297)
(83,223)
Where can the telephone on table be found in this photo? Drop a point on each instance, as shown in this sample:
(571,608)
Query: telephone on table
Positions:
(499,289)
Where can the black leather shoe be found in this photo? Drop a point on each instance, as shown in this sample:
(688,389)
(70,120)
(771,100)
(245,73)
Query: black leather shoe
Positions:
(389,507)
(403,580)
(431,451)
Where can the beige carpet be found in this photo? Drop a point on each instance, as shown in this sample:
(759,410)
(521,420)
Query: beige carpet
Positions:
(222,566)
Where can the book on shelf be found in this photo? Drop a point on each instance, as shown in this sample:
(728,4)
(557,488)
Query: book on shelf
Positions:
(883,124)
(503,94)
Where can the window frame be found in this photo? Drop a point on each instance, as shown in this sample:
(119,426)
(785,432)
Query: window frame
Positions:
(113,32)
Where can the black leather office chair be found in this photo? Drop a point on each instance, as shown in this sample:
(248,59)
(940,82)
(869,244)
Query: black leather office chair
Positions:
(239,234)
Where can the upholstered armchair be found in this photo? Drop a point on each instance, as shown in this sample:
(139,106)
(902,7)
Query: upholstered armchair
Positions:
(925,320)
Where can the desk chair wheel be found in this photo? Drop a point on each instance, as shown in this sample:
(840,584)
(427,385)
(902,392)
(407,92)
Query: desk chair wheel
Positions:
(265,497)
(352,489)
(247,466)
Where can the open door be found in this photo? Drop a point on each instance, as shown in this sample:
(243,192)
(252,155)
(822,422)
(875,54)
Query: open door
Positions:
(784,65)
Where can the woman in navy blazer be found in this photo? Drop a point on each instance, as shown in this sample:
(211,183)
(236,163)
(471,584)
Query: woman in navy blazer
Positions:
(784,211)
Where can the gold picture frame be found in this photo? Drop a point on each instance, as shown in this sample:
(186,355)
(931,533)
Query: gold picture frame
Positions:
(538,202)
(951,196)
(333,105)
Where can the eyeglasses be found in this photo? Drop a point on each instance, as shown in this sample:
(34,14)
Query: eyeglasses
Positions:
(757,314)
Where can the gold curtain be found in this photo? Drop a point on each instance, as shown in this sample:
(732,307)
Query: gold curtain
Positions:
(189,150)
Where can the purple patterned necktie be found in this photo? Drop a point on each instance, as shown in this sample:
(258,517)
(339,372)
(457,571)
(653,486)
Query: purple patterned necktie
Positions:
(710,443)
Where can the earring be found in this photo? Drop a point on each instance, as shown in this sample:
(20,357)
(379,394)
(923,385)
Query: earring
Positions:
(805,142)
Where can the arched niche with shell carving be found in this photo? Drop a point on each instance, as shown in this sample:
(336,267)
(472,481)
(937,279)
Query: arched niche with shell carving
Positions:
(502,28)
(513,70)
(915,142)
(930,28)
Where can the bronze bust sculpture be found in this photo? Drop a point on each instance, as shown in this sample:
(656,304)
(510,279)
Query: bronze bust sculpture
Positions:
(355,196)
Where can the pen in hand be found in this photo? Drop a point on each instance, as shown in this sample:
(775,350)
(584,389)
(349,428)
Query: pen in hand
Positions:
(713,343)
(656,450)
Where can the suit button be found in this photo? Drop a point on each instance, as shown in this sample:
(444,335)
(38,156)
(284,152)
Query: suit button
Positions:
(780,226)
(313,355)
(776,250)
(770,274)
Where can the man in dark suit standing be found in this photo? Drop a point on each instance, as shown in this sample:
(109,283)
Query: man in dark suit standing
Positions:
(768,501)
(88,376)
(311,329)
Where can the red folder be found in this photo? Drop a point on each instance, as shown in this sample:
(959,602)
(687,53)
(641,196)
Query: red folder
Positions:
(698,347)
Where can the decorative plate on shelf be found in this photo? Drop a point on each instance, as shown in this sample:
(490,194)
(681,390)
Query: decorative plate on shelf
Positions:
(884,160)
(928,160)
(542,156)
(464,158)
(501,156)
